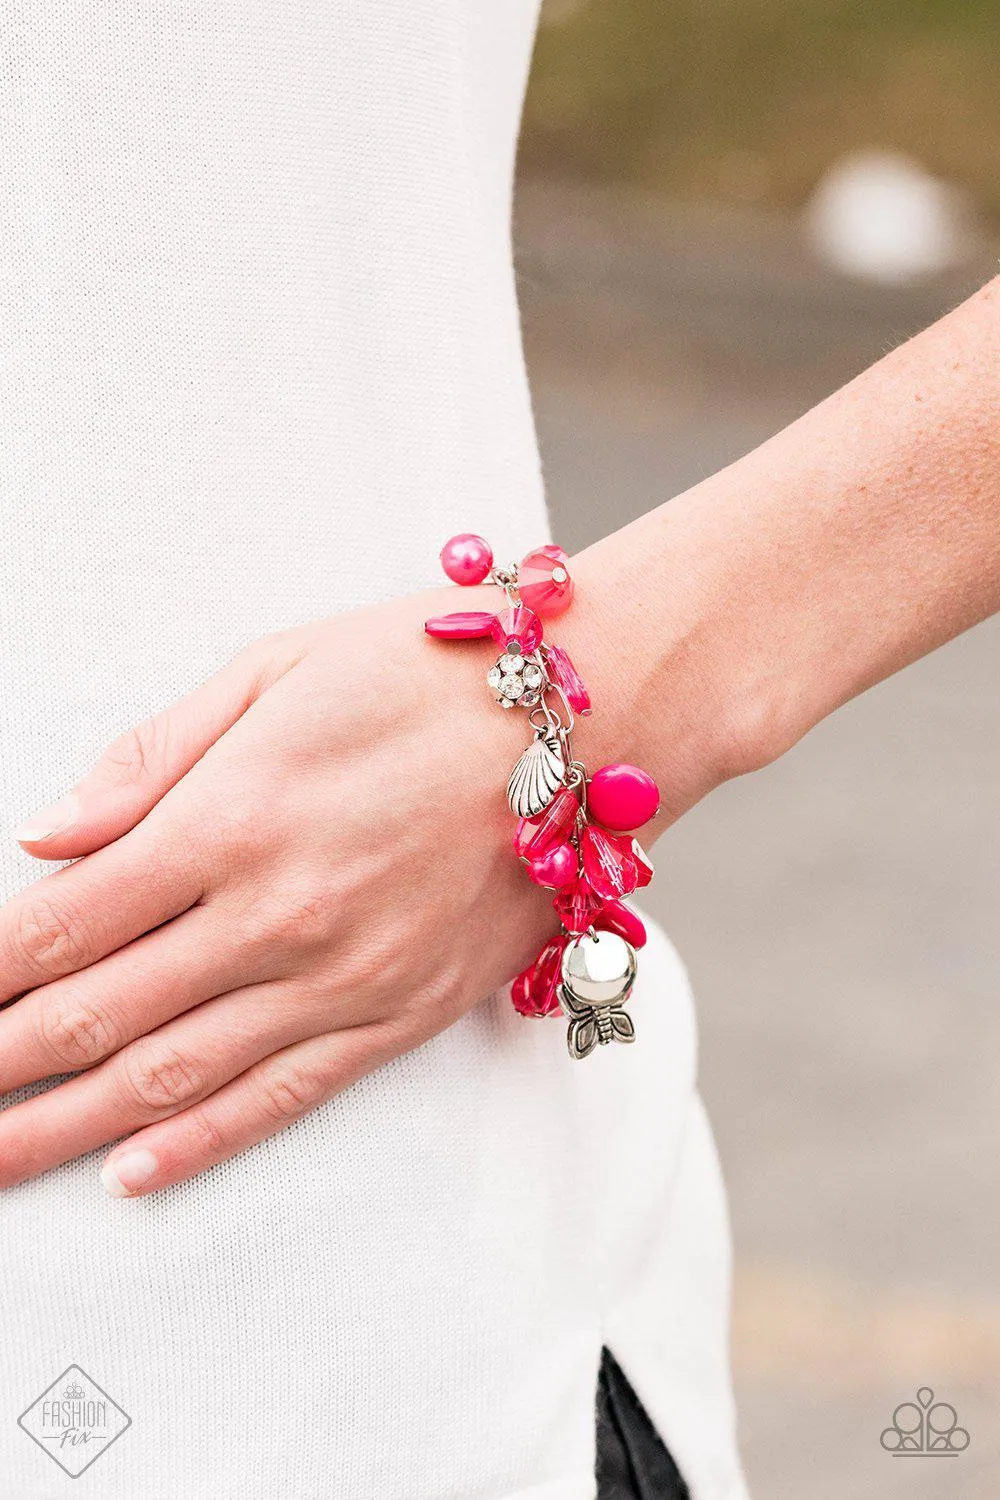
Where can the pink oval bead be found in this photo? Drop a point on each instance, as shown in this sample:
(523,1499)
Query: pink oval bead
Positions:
(467,625)
(622,797)
(562,671)
(556,868)
(544,581)
(519,624)
(466,558)
(617,917)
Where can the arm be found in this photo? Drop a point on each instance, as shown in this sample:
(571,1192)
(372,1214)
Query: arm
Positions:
(850,544)
(291,876)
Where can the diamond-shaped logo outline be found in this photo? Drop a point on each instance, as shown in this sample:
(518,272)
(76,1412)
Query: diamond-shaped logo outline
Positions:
(73,1369)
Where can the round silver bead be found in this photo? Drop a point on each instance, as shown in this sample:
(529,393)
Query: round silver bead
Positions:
(599,970)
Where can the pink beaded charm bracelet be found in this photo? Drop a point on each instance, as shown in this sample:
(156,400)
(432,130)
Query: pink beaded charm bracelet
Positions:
(574,832)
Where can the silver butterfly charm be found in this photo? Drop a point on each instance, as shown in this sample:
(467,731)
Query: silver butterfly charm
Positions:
(591,1024)
(598,972)
(538,775)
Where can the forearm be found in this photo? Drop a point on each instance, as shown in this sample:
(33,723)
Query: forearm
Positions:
(729,621)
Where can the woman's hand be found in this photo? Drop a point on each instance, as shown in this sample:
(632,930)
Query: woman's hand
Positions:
(304,868)
(291,876)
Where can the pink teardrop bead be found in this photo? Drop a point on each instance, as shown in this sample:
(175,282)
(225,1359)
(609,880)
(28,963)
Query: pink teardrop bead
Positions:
(622,797)
(578,906)
(536,836)
(556,868)
(467,558)
(617,917)
(468,626)
(544,581)
(535,991)
(562,671)
(518,624)
(610,869)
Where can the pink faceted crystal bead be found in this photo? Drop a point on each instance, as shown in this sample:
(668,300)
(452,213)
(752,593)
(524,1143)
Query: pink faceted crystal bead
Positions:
(555,869)
(544,581)
(469,625)
(578,906)
(520,993)
(622,797)
(617,917)
(467,558)
(643,863)
(536,836)
(562,672)
(518,624)
(535,991)
(610,869)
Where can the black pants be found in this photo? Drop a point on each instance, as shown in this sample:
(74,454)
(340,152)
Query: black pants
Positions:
(632,1463)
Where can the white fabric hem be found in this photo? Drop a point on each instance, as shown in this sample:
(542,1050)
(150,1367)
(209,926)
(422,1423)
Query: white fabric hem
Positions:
(580,1486)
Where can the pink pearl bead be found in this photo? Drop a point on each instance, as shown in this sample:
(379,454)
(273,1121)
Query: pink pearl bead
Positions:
(556,868)
(466,558)
(622,797)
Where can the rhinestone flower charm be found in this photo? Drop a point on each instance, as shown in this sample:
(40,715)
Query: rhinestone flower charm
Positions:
(575,832)
(516,679)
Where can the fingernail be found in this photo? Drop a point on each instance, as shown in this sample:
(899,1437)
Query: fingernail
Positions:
(122,1175)
(49,821)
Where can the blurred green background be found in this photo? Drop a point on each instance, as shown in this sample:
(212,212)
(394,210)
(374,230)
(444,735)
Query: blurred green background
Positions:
(754,100)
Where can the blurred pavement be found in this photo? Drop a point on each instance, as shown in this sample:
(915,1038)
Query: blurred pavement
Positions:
(838,911)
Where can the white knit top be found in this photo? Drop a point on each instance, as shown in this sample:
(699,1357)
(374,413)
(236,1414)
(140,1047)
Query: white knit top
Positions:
(259,357)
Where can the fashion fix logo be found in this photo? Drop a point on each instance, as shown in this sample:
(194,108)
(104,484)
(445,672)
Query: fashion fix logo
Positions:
(74,1421)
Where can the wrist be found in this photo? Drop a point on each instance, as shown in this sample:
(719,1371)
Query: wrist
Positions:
(672,628)
(664,695)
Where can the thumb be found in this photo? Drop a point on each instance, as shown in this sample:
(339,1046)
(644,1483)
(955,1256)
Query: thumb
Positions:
(145,762)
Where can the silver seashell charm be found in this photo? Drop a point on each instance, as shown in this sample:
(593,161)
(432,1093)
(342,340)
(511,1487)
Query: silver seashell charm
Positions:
(537,777)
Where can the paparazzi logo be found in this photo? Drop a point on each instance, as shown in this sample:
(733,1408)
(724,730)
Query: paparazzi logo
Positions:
(925,1428)
(74,1421)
